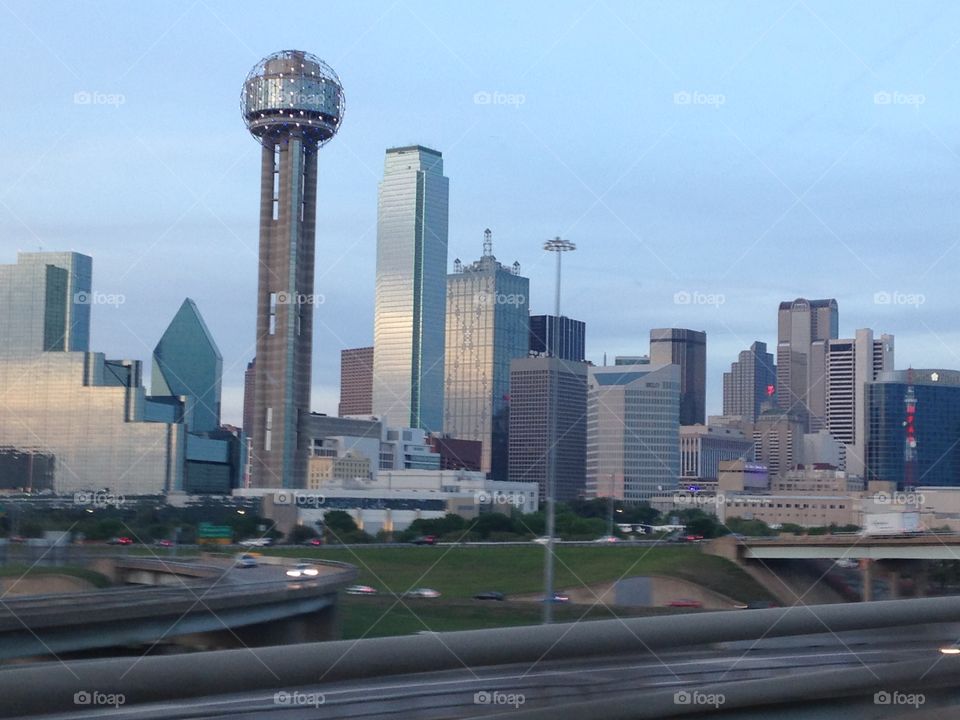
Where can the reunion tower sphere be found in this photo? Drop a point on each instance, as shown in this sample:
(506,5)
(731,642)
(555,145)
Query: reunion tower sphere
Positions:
(292,92)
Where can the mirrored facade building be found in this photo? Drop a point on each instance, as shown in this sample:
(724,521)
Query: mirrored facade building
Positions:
(487,327)
(411,286)
(187,362)
(688,350)
(558,336)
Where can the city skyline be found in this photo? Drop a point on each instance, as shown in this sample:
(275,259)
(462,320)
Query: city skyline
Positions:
(896,286)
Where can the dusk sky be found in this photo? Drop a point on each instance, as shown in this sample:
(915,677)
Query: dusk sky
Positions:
(710,159)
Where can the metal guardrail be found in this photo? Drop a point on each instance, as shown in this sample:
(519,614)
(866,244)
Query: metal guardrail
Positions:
(155,679)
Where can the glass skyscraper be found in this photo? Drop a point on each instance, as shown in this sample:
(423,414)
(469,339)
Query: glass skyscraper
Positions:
(411,286)
(936,426)
(750,384)
(688,350)
(187,362)
(45,303)
(487,326)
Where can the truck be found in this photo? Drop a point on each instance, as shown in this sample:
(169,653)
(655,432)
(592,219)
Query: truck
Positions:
(891,523)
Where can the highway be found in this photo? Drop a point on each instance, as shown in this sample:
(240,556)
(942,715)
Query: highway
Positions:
(520,688)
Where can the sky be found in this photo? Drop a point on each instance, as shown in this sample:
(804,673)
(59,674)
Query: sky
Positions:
(709,159)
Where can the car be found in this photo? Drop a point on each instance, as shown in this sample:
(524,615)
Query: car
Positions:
(165,543)
(425,540)
(256,542)
(124,540)
(302,569)
(608,539)
(543,540)
(760,604)
(246,561)
(691,538)
(685,603)
(422,593)
(314,542)
(490,595)
(360,590)
(558,597)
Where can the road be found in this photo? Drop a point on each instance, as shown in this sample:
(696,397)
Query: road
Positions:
(461,693)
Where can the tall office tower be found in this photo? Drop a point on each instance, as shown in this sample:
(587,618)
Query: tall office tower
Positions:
(750,384)
(356,381)
(487,327)
(688,349)
(548,429)
(187,363)
(778,441)
(850,365)
(293,104)
(249,394)
(931,398)
(800,382)
(559,337)
(45,303)
(633,433)
(411,287)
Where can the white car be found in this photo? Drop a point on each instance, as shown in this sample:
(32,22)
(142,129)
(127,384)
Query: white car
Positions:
(423,593)
(608,539)
(360,590)
(302,570)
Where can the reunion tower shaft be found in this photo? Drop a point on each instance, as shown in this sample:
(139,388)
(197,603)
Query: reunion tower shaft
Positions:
(292,102)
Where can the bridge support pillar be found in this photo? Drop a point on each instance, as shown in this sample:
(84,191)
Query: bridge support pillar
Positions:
(866,580)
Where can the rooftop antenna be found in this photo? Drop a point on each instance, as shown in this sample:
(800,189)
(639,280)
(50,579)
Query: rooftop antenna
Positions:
(516,267)
(457,266)
(487,243)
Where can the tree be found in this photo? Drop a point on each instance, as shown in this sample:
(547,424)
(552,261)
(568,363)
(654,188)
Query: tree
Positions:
(339,522)
(302,533)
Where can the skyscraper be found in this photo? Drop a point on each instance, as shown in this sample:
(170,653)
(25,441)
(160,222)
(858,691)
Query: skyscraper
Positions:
(249,394)
(187,362)
(560,337)
(411,286)
(45,303)
(850,365)
(750,384)
(487,326)
(688,349)
(356,381)
(633,433)
(548,407)
(800,381)
(293,104)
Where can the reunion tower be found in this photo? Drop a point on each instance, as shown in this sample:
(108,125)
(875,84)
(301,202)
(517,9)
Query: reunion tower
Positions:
(293,103)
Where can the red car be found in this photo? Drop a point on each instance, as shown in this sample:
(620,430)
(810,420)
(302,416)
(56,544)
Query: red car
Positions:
(120,541)
(426,540)
(685,603)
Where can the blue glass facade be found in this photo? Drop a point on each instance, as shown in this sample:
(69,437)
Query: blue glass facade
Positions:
(937,423)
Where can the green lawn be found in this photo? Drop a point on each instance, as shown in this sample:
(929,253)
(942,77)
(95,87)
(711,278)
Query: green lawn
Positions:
(461,572)
(95,578)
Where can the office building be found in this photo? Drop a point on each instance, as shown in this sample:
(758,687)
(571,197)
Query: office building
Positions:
(249,394)
(688,350)
(914,414)
(801,387)
(411,286)
(703,448)
(849,365)
(45,301)
(777,441)
(548,407)
(633,433)
(631,360)
(750,386)
(559,337)
(457,454)
(356,381)
(187,363)
(292,103)
(487,327)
